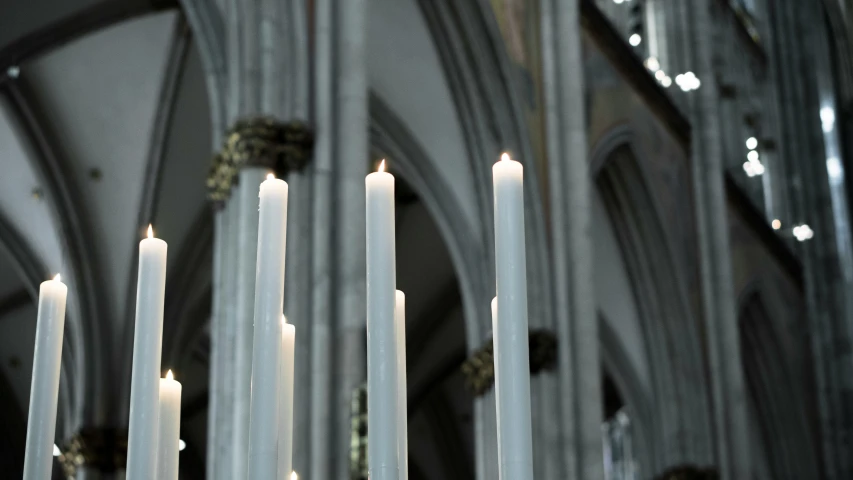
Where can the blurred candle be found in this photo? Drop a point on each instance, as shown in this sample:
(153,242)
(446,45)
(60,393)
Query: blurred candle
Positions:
(266,348)
(402,388)
(170,428)
(41,421)
(381,338)
(285,411)
(511,350)
(147,345)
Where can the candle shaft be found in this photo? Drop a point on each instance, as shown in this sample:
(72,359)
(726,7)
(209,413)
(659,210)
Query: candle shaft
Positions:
(285,431)
(170,430)
(381,335)
(266,348)
(511,350)
(145,377)
(41,422)
(402,388)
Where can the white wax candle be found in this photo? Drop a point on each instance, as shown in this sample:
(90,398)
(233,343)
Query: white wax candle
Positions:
(402,388)
(512,360)
(285,411)
(381,336)
(41,422)
(266,348)
(147,345)
(170,428)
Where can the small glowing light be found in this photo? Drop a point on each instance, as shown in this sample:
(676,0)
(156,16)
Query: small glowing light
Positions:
(687,81)
(150,232)
(776,224)
(56,451)
(56,278)
(505,157)
(833,168)
(169,375)
(653,64)
(827,118)
(749,169)
(759,168)
(294,476)
(752,143)
(666,81)
(270,176)
(181,445)
(803,232)
(660,74)
(752,156)
(381,166)
(635,39)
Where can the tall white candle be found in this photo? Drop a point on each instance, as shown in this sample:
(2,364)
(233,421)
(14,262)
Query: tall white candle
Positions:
(147,345)
(266,348)
(285,411)
(512,360)
(41,422)
(381,336)
(402,388)
(170,428)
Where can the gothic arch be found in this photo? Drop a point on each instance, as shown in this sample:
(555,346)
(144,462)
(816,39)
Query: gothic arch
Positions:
(769,376)
(680,419)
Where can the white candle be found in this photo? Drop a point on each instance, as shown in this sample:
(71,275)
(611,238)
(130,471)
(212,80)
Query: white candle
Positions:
(147,345)
(266,348)
(512,360)
(285,421)
(402,388)
(41,422)
(381,336)
(170,428)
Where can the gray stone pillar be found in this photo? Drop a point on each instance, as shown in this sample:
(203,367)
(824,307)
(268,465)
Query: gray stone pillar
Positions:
(570,209)
(338,271)
(729,394)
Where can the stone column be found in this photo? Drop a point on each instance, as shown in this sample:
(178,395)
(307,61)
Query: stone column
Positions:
(720,317)
(338,271)
(570,209)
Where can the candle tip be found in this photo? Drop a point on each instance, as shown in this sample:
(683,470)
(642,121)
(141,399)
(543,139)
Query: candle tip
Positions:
(169,375)
(56,278)
(505,157)
(293,476)
(150,232)
(381,166)
(270,176)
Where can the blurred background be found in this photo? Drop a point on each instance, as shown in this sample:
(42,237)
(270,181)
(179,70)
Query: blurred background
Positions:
(690,263)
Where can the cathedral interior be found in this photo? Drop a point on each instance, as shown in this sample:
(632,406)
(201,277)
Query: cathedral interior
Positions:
(686,209)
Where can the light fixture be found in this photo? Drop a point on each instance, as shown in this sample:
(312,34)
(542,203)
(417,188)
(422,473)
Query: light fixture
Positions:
(752,143)
(635,39)
(776,224)
(803,232)
(56,451)
(827,119)
(749,168)
(653,64)
(833,168)
(181,445)
(752,156)
(660,74)
(687,81)
(666,81)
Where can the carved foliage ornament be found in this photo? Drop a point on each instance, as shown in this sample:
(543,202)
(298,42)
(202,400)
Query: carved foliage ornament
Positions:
(479,368)
(258,141)
(103,449)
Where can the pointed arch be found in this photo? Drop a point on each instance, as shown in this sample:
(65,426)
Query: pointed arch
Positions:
(681,422)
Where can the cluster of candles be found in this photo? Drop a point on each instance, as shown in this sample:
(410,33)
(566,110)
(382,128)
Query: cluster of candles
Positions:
(153,436)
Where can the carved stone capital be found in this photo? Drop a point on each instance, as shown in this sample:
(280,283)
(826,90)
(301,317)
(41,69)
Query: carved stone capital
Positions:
(103,449)
(479,368)
(283,147)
